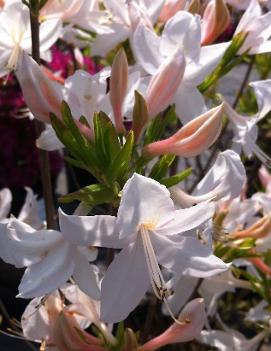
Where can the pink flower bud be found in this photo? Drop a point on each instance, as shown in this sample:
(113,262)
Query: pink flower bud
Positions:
(193,138)
(165,83)
(265,178)
(192,320)
(118,87)
(259,229)
(170,8)
(215,21)
(68,336)
(42,95)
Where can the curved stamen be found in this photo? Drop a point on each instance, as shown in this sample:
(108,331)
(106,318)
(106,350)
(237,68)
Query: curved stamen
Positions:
(158,283)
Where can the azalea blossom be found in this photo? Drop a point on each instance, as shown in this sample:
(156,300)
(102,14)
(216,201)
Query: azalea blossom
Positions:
(41,318)
(231,340)
(224,181)
(246,133)
(49,258)
(148,231)
(125,16)
(257,27)
(83,13)
(15,35)
(182,32)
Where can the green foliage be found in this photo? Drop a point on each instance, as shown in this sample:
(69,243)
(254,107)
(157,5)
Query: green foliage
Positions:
(92,195)
(158,125)
(102,155)
(229,60)
(231,250)
(176,178)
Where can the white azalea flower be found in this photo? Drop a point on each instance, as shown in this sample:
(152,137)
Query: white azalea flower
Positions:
(224,181)
(182,31)
(230,340)
(147,231)
(246,133)
(50,260)
(15,35)
(125,16)
(258,28)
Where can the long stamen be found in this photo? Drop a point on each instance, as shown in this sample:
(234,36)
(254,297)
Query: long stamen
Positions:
(157,280)
(262,156)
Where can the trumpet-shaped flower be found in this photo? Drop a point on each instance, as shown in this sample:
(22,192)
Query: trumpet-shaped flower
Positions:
(182,31)
(40,318)
(230,340)
(246,133)
(50,260)
(15,35)
(124,17)
(257,27)
(148,231)
(193,138)
(83,13)
(224,181)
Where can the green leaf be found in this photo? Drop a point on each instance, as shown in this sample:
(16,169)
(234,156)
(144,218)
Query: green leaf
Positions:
(92,195)
(158,126)
(177,178)
(80,148)
(160,168)
(227,62)
(121,163)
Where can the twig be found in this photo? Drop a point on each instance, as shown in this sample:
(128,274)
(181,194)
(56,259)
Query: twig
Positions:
(39,126)
(260,345)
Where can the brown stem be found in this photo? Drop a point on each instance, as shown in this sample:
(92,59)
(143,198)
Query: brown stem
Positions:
(39,126)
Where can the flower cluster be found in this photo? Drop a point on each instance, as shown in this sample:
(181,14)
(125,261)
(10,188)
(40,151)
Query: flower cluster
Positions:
(135,93)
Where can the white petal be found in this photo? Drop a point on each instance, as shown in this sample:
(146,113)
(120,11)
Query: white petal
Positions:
(49,274)
(188,256)
(105,42)
(5,202)
(189,102)
(38,316)
(262,90)
(209,57)
(85,276)
(29,213)
(182,30)
(97,230)
(48,140)
(183,290)
(27,246)
(50,32)
(144,201)
(124,284)
(227,175)
(145,46)
(188,218)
